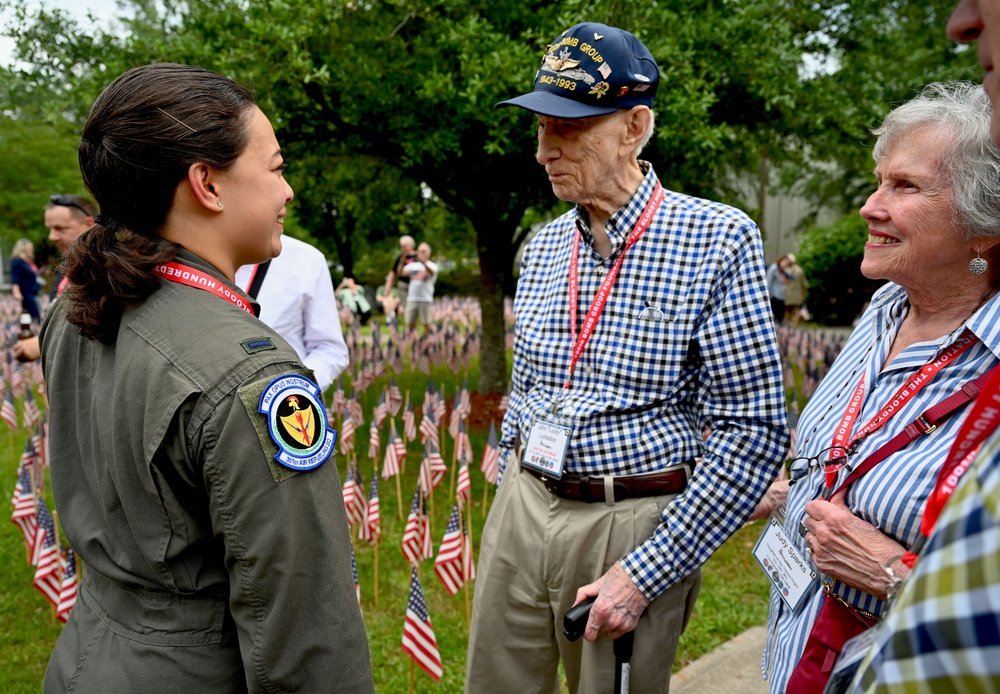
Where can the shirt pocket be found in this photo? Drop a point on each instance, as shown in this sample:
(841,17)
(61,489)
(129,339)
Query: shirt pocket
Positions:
(649,354)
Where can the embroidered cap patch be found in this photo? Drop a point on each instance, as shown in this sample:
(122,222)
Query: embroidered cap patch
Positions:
(296,420)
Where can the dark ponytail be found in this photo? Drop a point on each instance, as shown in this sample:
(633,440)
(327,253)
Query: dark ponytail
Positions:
(142,135)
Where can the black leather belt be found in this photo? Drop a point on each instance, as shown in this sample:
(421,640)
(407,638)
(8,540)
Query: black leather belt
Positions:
(591,489)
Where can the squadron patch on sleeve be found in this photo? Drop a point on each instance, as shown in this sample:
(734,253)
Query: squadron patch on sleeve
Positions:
(296,421)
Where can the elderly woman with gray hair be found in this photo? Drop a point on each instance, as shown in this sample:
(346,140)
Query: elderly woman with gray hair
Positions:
(875,434)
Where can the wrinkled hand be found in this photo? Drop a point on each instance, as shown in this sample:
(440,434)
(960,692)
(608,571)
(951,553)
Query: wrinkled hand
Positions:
(27,349)
(618,606)
(849,549)
(776,495)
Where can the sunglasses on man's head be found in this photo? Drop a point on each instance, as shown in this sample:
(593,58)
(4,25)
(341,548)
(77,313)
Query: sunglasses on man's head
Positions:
(66,201)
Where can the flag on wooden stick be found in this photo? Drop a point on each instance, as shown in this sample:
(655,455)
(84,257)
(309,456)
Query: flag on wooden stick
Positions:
(418,633)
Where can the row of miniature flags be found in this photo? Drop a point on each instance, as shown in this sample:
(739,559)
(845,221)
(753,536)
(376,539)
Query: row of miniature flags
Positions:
(454,564)
(811,353)
(56,575)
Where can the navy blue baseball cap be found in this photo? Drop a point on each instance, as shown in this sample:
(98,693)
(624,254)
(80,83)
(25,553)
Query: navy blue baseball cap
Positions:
(591,70)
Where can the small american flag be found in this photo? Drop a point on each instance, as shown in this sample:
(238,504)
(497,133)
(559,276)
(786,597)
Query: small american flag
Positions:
(354,496)
(354,570)
(67,591)
(416,528)
(418,634)
(374,445)
(24,507)
(7,410)
(381,410)
(438,467)
(31,412)
(395,397)
(400,447)
(426,478)
(462,442)
(354,407)
(465,400)
(448,565)
(395,359)
(373,519)
(47,578)
(463,488)
(491,456)
(409,422)
(390,466)
(347,434)
(339,400)
(440,408)
(456,415)
(428,429)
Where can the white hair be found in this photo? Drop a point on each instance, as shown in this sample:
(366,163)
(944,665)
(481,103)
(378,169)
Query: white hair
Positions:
(960,113)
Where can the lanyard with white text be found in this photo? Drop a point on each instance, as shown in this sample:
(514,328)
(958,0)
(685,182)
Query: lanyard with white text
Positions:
(842,434)
(981,422)
(597,306)
(187,275)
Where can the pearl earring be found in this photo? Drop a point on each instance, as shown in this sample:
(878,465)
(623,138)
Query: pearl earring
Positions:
(219,204)
(979,264)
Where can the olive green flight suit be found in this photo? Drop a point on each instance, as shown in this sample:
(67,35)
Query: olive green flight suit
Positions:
(209,567)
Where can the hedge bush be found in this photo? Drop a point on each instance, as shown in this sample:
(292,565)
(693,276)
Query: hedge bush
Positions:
(831,257)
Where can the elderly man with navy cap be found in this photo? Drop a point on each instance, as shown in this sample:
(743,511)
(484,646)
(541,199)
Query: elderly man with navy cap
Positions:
(646,416)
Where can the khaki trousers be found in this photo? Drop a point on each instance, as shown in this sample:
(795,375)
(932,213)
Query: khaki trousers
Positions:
(537,549)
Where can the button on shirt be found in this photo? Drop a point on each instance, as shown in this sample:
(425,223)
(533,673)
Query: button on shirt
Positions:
(892,495)
(646,386)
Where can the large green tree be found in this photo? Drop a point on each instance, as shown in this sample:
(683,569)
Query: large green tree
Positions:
(398,96)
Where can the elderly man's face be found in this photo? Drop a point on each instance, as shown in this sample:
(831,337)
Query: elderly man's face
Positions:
(979,20)
(581,155)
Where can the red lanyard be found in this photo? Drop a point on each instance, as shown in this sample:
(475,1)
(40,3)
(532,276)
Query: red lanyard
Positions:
(842,434)
(187,275)
(977,427)
(597,306)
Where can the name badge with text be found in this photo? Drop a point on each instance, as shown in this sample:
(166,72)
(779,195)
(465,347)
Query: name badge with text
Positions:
(789,573)
(546,448)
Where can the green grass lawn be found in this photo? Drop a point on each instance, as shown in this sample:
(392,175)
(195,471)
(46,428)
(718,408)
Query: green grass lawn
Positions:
(733,595)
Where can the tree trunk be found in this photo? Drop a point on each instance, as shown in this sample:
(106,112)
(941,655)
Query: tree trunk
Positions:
(494,265)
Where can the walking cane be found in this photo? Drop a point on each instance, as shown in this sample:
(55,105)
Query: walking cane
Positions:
(575,623)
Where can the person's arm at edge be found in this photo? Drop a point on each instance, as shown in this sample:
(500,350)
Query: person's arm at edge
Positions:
(326,352)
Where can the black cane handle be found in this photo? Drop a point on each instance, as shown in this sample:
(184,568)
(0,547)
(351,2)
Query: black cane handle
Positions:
(575,619)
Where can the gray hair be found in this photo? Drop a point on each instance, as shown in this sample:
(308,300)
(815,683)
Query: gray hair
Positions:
(647,136)
(408,241)
(960,112)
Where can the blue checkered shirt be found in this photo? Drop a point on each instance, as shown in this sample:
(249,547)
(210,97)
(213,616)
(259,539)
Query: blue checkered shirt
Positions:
(943,631)
(685,343)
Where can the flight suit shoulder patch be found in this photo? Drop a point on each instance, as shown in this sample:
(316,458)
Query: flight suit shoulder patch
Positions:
(290,419)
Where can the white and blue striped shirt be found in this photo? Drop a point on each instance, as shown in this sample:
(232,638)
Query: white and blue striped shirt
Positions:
(685,342)
(892,495)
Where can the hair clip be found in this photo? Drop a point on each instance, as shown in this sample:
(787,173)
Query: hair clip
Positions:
(176,119)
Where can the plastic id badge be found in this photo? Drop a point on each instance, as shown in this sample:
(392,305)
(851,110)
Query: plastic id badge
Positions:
(545,450)
(789,573)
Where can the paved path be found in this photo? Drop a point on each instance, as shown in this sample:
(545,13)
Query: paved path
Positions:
(732,668)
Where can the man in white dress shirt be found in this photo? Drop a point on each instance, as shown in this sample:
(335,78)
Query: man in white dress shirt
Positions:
(295,294)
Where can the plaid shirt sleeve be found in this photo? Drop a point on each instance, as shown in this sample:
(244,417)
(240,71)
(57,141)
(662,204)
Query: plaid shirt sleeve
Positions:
(739,398)
(943,630)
